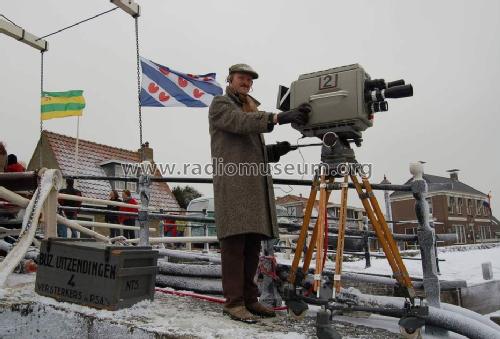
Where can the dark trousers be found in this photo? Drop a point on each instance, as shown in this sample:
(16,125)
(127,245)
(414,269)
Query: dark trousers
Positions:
(240,258)
(62,230)
(129,234)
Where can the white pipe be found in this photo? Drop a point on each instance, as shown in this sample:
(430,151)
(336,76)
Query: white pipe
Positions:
(446,318)
(51,180)
(203,239)
(106,225)
(99,201)
(14,198)
(74,225)
(179,240)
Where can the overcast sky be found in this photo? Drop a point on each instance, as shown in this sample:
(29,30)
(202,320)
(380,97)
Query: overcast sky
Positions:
(448,50)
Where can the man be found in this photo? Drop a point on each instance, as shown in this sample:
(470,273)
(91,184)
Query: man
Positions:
(244,203)
(13,165)
(128,220)
(70,214)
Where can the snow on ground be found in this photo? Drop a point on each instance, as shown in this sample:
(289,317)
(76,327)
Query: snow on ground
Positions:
(171,316)
(461,263)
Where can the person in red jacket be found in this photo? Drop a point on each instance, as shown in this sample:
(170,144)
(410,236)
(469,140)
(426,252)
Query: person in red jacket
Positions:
(128,220)
(13,165)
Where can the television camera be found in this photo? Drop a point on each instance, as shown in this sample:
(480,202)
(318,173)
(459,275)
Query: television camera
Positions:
(344,101)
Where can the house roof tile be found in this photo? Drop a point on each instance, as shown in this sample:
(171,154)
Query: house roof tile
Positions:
(90,157)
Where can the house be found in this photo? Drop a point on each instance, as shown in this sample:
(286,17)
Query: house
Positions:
(455,207)
(58,151)
(295,207)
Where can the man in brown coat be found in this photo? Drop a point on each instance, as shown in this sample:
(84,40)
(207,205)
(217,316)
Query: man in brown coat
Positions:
(243,191)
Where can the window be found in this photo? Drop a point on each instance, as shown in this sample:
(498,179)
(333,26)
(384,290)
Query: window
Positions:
(451,205)
(292,211)
(479,207)
(460,203)
(410,230)
(469,207)
(121,185)
(461,235)
(486,209)
(485,232)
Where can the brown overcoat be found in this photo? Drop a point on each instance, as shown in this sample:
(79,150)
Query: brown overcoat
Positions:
(244,203)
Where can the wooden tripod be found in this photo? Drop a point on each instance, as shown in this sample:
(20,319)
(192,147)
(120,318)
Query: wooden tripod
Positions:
(320,233)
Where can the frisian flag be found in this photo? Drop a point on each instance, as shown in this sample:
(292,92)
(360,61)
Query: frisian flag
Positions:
(165,87)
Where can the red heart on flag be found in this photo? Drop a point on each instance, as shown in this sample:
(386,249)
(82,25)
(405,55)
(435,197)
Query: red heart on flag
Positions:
(164,71)
(163,97)
(152,88)
(182,82)
(197,93)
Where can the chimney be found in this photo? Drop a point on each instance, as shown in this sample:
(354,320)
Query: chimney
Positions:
(146,152)
(453,174)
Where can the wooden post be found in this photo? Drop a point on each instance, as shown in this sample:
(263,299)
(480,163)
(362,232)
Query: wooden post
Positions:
(50,215)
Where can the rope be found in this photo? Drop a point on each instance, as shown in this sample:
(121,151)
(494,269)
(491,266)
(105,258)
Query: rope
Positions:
(76,24)
(261,269)
(138,85)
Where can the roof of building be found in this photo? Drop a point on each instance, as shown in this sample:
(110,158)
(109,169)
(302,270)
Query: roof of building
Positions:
(438,183)
(91,156)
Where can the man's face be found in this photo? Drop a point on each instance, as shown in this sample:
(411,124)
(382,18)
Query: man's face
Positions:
(241,83)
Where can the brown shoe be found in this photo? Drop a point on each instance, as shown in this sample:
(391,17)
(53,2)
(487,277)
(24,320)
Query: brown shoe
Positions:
(239,313)
(259,309)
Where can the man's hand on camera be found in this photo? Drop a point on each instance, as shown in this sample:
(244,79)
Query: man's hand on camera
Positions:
(274,152)
(282,148)
(298,115)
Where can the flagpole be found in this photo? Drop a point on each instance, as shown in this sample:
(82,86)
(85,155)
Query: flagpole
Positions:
(76,144)
(491,211)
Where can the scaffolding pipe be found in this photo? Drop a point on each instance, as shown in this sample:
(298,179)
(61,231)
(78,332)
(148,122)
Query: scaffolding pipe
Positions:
(276,181)
(107,225)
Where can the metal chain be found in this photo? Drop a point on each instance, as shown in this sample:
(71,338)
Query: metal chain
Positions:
(30,218)
(41,95)
(138,83)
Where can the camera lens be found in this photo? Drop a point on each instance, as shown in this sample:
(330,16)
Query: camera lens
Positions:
(374,83)
(395,83)
(395,92)
(378,106)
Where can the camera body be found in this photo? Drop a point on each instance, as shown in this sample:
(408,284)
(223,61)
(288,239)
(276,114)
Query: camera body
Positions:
(343,99)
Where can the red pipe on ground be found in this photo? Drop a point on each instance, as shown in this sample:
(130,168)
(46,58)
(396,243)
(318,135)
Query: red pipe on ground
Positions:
(204,297)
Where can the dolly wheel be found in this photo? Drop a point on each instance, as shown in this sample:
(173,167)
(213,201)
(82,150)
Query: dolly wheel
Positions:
(297,309)
(410,327)
(410,333)
(301,315)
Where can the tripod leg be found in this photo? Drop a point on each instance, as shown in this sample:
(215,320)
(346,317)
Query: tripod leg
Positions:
(303,232)
(321,234)
(312,243)
(339,256)
(389,238)
(377,228)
